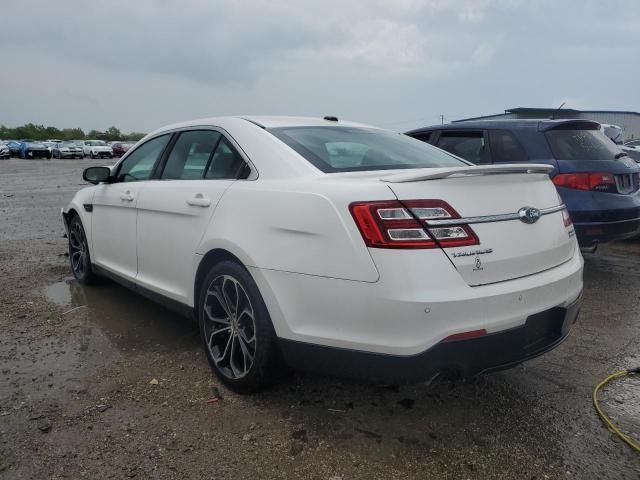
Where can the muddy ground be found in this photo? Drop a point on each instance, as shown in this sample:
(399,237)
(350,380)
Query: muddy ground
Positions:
(100,383)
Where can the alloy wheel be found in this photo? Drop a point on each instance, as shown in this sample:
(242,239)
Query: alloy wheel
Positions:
(78,249)
(229,327)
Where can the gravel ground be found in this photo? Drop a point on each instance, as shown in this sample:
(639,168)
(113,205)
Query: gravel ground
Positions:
(100,383)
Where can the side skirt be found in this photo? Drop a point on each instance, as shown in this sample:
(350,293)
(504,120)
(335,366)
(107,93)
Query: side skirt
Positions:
(173,305)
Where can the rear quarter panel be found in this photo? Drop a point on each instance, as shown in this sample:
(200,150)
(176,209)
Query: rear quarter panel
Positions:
(301,227)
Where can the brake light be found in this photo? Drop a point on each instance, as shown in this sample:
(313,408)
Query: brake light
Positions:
(585,181)
(395,224)
(566,218)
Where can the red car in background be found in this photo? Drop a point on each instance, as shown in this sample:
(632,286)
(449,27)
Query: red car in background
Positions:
(120,148)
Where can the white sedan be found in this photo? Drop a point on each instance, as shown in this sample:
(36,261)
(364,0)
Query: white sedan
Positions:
(334,247)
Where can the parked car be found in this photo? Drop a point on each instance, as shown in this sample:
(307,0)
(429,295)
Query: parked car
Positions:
(14,147)
(632,149)
(33,149)
(5,152)
(613,132)
(596,180)
(66,150)
(333,247)
(120,148)
(97,149)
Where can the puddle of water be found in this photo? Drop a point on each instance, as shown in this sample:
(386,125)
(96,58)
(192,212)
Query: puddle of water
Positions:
(130,321)
(59,292)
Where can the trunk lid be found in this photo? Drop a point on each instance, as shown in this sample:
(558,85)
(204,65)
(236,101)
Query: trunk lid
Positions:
(508,247)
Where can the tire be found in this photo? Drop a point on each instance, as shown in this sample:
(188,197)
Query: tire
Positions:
(229,339)
(79,256)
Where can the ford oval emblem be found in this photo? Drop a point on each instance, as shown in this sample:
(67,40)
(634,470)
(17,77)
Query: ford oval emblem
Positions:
(529,215)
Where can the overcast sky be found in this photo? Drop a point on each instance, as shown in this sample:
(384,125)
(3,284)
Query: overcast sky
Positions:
(140,64)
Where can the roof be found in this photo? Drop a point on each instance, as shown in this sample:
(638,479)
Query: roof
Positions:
(283,121)
(545,112)
(261,121)
(520,123)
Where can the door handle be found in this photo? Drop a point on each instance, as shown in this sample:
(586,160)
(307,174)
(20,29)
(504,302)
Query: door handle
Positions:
(127,197)
(199,201)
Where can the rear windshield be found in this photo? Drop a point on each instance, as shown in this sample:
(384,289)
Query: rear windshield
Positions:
(346,149)
(581,145)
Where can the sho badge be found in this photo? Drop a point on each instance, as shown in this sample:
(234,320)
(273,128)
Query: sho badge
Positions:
(529,215)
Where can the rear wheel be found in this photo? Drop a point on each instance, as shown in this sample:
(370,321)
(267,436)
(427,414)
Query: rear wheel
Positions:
(79,256)
(237,334)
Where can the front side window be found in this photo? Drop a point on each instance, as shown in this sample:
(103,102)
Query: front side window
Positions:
(139,164)
(464,144)
(580,144)
(344,149)
(190,155)
(505,147)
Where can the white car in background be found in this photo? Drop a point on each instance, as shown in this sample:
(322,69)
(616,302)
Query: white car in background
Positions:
(334,247)
(97,149)
(632,149)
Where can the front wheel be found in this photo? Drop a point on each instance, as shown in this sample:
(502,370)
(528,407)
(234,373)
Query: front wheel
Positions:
(79,253)
(236,330)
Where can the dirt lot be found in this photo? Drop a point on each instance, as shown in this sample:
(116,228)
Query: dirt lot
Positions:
(100,383)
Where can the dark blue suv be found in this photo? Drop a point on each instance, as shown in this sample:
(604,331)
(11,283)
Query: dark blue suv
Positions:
(597,181)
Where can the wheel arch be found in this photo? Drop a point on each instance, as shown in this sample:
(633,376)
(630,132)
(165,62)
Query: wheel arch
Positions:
(209,259)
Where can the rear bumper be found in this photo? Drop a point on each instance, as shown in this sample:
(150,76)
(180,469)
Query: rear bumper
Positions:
(540,333)
(602,217)
(419,301)
(589,233)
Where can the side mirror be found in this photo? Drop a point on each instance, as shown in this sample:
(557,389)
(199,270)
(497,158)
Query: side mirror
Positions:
(96,175)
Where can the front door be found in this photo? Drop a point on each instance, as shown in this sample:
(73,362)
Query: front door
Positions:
(113,220)
(174,211)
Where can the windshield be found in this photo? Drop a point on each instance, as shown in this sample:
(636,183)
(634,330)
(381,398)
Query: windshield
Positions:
(581,145)
(346,149)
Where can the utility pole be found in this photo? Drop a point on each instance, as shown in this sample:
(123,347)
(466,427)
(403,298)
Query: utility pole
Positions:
(442,118)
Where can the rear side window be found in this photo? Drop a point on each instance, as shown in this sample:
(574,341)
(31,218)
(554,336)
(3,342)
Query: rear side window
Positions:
(573,144)
(225,163)
(190,155)
(344,149)
(464,144)
(139,164)
(505,147)
(424,137)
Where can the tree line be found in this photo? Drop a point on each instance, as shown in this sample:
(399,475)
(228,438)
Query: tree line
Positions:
(40,132)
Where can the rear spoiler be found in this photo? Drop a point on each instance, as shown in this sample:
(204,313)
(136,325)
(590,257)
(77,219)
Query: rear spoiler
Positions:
(438,173)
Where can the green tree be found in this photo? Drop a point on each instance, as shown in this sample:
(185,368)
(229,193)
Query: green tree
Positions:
(134,136)
(40,132)
(112,133)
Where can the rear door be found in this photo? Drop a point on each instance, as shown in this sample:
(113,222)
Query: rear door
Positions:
(504,147)
(174,211)
(491,206)
(470,145)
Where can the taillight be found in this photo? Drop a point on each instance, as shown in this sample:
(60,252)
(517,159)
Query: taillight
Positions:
(566,218)
(604,182)
(395,224)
